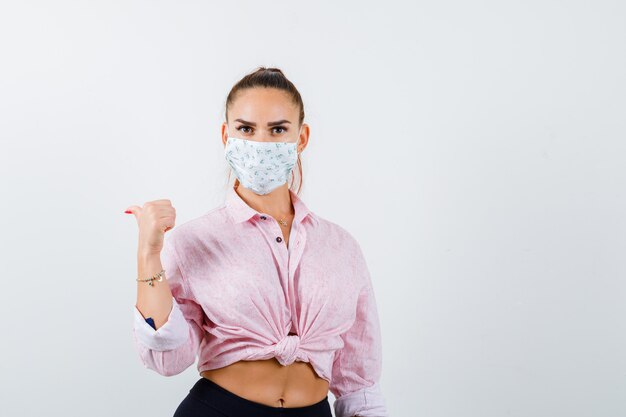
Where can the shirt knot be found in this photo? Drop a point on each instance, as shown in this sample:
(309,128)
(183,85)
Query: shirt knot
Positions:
(286,349)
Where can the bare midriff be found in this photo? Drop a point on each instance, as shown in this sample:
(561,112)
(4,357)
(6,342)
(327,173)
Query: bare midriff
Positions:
(270,383)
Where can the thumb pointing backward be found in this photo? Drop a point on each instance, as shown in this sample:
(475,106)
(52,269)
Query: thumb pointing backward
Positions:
(135,210)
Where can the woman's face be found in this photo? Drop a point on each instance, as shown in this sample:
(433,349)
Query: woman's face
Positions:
(265,115)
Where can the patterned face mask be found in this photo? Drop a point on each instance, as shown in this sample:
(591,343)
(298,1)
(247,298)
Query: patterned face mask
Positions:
(261,166)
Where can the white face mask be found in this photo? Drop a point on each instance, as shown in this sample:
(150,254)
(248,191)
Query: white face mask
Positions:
(261,166)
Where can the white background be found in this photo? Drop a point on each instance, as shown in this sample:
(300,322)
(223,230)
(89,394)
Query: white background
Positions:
(476,150)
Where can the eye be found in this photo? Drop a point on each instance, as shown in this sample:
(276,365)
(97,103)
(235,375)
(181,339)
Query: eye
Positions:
(281,127)
(243,127)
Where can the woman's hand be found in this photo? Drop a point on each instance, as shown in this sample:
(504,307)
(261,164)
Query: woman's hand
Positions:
(154,219)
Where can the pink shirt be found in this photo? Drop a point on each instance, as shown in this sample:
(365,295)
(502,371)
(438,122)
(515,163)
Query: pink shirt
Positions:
(239,292)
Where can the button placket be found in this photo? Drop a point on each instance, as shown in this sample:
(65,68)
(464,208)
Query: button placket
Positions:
(272,231)
(279,238)
(290,257)
(298,236)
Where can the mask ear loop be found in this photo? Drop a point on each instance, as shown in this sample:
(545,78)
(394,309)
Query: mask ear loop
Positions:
(298,139)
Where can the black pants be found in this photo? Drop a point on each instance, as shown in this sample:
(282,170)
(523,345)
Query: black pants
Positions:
(207,399)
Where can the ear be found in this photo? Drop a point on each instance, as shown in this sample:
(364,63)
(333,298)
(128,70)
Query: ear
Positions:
(303,140)
(224,133)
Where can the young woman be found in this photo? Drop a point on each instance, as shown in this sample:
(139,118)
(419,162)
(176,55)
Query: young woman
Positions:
(275,301)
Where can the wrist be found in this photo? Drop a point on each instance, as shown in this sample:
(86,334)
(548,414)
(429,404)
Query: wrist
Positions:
(147,255)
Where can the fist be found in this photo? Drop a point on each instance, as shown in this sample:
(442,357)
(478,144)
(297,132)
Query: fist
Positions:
(153,219)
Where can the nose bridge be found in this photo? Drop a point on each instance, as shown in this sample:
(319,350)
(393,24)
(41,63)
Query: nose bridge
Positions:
(286,350)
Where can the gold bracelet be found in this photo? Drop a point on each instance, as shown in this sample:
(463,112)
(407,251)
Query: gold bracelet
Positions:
(158,277)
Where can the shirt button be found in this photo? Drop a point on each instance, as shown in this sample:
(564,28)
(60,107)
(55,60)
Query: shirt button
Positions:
(279,239)
(263,217)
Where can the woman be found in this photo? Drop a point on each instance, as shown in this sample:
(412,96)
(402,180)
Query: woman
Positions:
(275,301)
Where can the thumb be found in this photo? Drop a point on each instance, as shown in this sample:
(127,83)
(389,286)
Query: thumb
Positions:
(135,210)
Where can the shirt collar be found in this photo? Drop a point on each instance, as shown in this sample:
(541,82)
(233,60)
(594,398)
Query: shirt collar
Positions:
(240,211)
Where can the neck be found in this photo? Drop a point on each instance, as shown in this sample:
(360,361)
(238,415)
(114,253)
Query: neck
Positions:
(276,203)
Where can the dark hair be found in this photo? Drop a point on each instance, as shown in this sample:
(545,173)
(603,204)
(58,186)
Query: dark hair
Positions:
(269,78)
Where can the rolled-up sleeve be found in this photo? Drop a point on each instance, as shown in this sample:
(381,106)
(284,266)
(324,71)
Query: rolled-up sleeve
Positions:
(173,347)
(357,366)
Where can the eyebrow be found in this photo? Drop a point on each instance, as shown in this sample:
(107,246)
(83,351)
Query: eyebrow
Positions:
(279,122)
